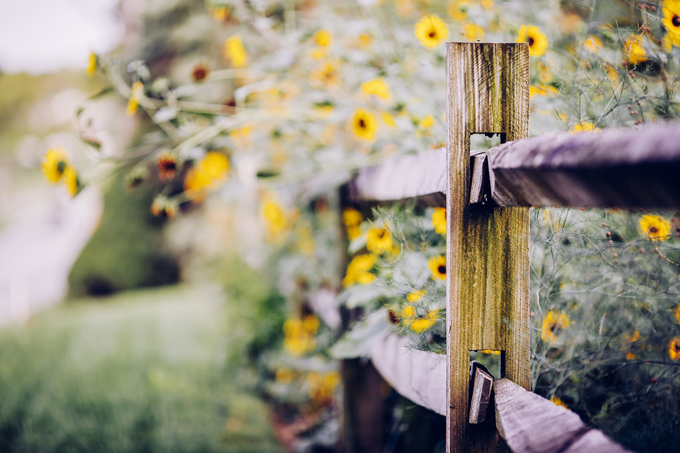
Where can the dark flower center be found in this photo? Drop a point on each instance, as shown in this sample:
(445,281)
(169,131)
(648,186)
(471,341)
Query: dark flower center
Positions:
(432,34)
(530,41)
(442,269)
(676,21)
(362,123)
(381,234)
(200,74)
(653,230)
(393,317)
(61,166)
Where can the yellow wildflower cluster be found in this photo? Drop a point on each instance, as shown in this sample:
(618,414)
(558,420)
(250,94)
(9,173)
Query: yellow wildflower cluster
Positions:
(439,220)
(358,270)
(234,51)
(379,240)
(322,385)
(655,228)
(437,265)
(56,169)
(300,335)
(533,36)
(377,87)
(431,31)
(352,220)
(209,173)
(671,20)
(137,91)
(363,125)
(552,324)
(275,217)
(635,49)
(417,323)
(674,348)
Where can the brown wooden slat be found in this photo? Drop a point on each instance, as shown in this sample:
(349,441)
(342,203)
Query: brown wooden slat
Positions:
(531,424)
(616,167)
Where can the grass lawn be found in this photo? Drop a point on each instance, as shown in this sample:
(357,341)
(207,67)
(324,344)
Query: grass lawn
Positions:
(138,372)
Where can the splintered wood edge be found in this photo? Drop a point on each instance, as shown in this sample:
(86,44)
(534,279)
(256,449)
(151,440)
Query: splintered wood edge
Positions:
(530,423)
(481,394)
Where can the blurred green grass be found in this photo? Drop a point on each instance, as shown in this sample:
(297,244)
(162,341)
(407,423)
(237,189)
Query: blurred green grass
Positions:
(141,371)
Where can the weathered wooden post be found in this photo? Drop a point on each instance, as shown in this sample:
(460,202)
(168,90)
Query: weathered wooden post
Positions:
(488,248)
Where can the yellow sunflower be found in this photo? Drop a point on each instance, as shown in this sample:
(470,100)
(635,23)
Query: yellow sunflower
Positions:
(677,314)
(431,31)
(671,20)
(71,181)
(357,270)
(234,51)
(363,124)
(584,126)
(473,32)
(439,220)
(133,103)
(416,295)
(388,119)
(274,216)
(379,240)
(655,228)
(458,9)
(592,44)
(553,323)
(54,164)
(674,348)
(322,38)
(635,49)
(352,219)
(422,324)
(376,87)
(328,73)
(537,41)
(91,64)
(215,165)
(437,265)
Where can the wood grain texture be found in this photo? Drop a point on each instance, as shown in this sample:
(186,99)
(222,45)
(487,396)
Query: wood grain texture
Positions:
(418,375)
(616,167)
(487,249)
(482,384)
(403,177)
(531,424)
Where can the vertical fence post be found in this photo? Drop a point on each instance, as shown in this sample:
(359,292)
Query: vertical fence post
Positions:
(487,248)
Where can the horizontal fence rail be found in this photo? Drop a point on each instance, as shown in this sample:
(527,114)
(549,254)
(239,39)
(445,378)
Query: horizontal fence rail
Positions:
(418,375)
(616,167)
(530,423)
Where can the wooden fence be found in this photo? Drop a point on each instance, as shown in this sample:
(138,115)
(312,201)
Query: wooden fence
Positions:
(488,195)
